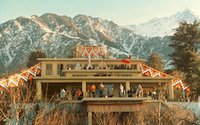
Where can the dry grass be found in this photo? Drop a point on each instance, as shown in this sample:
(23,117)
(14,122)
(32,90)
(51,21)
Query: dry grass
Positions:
(14,106)
(151,115)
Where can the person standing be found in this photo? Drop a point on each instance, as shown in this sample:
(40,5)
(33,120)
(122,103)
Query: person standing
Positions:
(121,90)
(101,89)
(62,94)
(93,90)
(140,91)
(88,91)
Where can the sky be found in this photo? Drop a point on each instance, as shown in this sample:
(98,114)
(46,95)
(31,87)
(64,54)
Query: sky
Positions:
(122,12)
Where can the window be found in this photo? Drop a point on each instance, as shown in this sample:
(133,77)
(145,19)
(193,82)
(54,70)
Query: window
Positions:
(59,69)
(48,69)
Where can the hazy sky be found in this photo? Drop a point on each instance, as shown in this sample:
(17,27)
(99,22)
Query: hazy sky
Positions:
(122,12)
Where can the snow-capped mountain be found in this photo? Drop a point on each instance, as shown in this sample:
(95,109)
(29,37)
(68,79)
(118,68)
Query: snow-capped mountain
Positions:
(57,35)
(164,26)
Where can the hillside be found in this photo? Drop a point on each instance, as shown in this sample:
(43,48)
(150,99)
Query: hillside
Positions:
(57,35)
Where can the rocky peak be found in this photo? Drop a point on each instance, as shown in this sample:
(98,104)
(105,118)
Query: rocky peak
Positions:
(185,15)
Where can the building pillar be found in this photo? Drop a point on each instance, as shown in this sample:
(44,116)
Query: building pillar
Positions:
(137,66)
(127,87)
(89,118)
(84,88)
(38,90)
(54,69)
(171,91)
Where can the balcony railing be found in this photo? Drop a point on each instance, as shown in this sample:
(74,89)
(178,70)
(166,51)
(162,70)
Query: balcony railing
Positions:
(100,73)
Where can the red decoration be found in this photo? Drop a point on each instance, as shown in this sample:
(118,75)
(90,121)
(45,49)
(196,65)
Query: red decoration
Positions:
(14,81)
(126,61)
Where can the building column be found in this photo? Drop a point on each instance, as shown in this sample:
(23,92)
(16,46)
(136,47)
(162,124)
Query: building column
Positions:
(137,66)
(89,118)
(54,69)
(171,91)
(84,88)
(128,87)
(38,90)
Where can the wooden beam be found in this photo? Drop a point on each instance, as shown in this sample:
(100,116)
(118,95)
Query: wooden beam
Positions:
(84,88)
(39,93)
(171,91)
(89,118)
(128,87)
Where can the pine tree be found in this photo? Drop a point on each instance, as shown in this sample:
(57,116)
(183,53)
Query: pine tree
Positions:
(185,43)
(32,59)
(155,61)
(185,57)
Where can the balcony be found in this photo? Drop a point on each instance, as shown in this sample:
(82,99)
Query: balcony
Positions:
(101,73)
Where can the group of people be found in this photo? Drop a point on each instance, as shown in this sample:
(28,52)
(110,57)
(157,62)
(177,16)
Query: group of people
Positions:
(136,91)
(159,94)
(74,94)
(102,91)
(101,66)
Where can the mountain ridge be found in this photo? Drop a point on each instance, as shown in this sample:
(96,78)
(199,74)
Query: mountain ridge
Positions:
(164,26)
(57,35)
